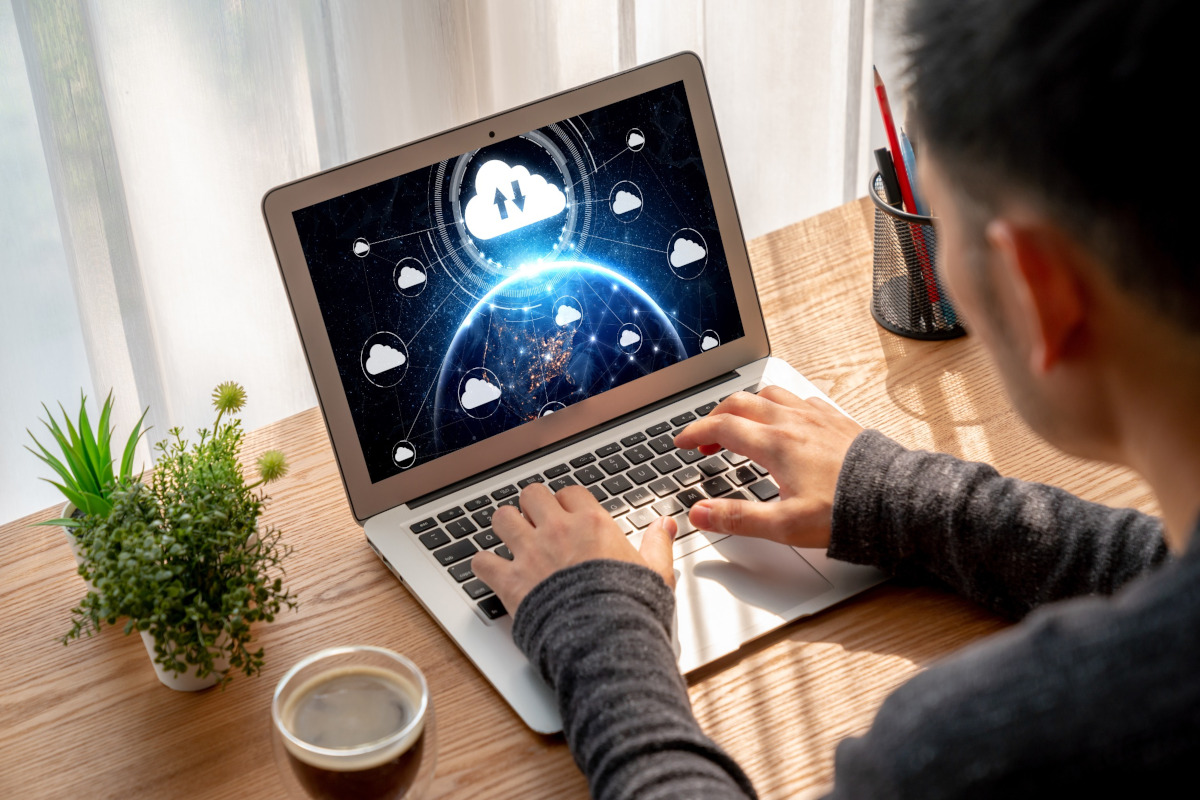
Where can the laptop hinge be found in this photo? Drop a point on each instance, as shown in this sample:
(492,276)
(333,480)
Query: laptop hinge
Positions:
(479,477)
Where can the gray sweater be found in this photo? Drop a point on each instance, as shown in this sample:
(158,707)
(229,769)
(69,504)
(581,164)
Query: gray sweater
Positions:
(1098,694)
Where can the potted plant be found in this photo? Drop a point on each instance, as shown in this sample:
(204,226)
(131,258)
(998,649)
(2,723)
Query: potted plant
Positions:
(85,464)
(184,559)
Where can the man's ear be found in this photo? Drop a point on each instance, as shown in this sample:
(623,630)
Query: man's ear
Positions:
(1041,266)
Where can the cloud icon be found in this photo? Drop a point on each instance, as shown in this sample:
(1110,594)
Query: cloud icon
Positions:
(566,315)
(478,392)
(548,413)
(686,251)
(507,198)
(635,140)
(629,337)
(626,202)
(708,343)
(410,277)
(383,358)
(402,454)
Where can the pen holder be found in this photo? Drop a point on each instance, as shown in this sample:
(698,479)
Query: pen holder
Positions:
(906,296)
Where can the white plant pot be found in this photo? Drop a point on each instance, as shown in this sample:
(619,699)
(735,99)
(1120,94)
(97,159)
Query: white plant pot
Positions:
(182,681)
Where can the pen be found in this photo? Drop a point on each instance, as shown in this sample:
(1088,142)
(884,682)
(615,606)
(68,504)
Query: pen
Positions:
(910,166)
(887,173)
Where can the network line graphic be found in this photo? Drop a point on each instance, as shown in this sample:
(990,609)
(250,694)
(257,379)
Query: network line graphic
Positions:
(508,283)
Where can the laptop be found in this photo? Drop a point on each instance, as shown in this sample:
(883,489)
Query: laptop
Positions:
(549,294)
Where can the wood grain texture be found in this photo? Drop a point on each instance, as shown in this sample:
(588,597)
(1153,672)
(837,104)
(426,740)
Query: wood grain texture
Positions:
(91,719)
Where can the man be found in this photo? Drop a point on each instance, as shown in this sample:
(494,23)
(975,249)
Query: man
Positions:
(1065,240)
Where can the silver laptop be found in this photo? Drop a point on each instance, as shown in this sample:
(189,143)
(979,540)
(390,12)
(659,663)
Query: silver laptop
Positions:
(549,294)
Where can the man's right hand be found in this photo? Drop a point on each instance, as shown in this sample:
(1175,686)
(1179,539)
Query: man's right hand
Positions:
(801,442)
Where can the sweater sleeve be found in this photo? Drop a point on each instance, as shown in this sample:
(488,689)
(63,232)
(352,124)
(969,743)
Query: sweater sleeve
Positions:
(597,633)
(1007,544)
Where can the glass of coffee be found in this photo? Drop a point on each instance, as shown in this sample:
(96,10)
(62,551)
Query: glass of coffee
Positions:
(354,722)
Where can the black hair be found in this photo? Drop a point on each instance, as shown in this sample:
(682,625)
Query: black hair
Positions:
(1080,105)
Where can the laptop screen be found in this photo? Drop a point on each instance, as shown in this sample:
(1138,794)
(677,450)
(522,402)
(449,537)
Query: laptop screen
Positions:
(488,290)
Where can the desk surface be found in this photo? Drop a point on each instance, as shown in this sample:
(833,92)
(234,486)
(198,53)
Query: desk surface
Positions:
(92,719)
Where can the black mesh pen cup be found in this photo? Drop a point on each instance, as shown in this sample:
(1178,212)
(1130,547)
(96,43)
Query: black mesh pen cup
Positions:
(906,297)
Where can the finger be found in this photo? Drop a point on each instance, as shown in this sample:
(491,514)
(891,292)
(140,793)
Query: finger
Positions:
(781,396)
(577,498)
(741,435)
(751,406)
(656,548)
(538,503)
(741,517)
(511,526)
(491,568)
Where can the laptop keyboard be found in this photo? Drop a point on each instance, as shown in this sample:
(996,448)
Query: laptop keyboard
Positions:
(637,479)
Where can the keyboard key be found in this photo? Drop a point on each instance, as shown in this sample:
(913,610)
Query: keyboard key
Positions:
(434,538)
(661,444)
(608,450)
(478,503)
(614,506)
(689,456)
(625,525)
(687,476)
(554,472)
(534,478)
(423,525)
(759,468)
(491,607)
(588,475)
(668,506)
(633,438)
(486,539)
(764,489)
(713,466)
(706,409)
(504,491)
(734,458)
(504,552)
(558,484)
(743,475)
(639,496)
(515,502)
(582,460)
(715,487)
(676,432)
(682,419)
(459,528)
(477,589)
(689,497)
(663,487)
(666,464)
(738,495)
(642,517)
(455,552)
(614,464)
(638,454)
(483,517)
(617,484)
(660,428)
(598,493)
(642,474)
(462,571)
(450,513)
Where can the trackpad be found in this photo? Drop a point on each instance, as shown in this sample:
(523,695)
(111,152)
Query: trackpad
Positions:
(737,589)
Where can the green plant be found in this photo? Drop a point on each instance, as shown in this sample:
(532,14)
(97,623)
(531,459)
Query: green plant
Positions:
(184,558)
(86,463)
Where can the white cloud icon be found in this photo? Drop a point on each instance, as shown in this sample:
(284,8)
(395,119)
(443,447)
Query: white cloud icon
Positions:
(626,202)
(635,140)
(402,454)
(629,337)
(686,251)
(478,392)
(383,358)
(410,277)
(566,315)
(507,198)
(708,343)
(548,413)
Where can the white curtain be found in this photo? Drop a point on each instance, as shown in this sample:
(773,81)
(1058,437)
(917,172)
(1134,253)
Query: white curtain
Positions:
(161,124)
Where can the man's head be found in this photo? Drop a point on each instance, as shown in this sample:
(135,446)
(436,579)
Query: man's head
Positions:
(1053,154)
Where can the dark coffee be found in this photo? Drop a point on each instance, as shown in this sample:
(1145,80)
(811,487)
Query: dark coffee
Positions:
(355,716)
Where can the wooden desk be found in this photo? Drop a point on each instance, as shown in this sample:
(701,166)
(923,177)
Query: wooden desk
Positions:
(91,719)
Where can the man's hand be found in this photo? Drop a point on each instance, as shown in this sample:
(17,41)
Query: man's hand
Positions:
(555,531)
(802,442)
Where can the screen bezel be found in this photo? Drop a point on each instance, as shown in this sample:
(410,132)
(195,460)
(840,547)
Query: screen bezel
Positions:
(367,498)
